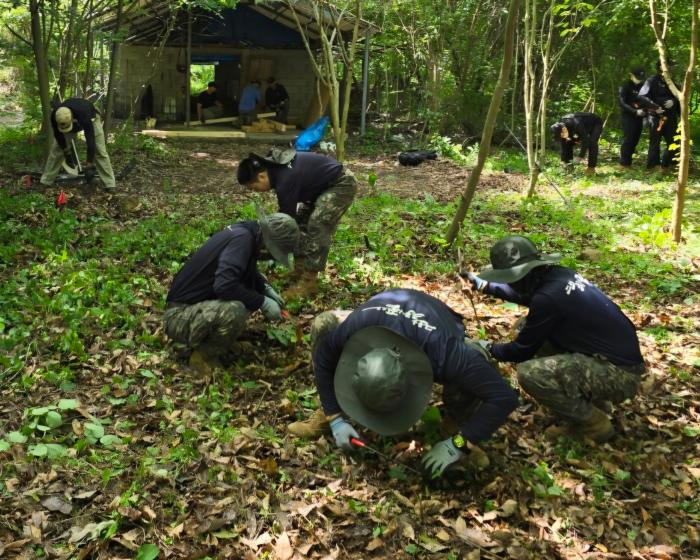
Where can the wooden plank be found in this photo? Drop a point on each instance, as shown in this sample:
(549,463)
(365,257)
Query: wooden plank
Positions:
(194,133)
(281,127)
(214,121)
(265,115)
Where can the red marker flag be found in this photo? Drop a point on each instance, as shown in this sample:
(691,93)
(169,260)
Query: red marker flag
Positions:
(61,200)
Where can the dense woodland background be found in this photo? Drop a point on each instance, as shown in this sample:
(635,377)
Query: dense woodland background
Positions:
(111,448)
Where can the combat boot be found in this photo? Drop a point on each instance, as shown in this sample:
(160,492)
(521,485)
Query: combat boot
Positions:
(476,459)
(298,270)
(312,428)
(598,428)
(306,286)
(204,364)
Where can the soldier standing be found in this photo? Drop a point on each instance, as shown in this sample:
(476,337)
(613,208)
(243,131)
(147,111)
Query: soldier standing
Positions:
(577,351)
(314,189)
(663,123)
(634,110)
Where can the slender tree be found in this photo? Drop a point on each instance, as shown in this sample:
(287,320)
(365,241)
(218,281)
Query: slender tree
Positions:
(684,97)
(42,65)
(494,107)
(327,19)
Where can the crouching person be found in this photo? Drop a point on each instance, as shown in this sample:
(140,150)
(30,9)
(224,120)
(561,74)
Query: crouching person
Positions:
(314,189)
(377,367)
(219,286)
(577,351)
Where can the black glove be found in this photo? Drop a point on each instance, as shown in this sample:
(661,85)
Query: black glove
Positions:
(90,173)
(69,157)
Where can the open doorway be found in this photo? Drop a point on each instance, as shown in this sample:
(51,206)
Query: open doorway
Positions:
(201,75)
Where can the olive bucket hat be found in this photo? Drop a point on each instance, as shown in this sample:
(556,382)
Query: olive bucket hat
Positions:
(383,380)
(513,257)
(280,234)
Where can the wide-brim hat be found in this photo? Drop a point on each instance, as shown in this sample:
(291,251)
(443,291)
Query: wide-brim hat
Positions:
(417,370)
(280,255)
(512,258)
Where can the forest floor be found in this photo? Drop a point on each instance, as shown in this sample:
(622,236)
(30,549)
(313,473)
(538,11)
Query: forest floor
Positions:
(110,447)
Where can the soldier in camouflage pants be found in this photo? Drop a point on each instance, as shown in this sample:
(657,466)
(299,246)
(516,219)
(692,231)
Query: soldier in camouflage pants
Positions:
(317,236)
(211,326)
(570,385)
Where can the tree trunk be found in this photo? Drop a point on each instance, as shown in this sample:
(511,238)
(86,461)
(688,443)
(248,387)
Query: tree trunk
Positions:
(683,165)
(529,82)
(487,133)
(113,65)
(42,67)
(683,96)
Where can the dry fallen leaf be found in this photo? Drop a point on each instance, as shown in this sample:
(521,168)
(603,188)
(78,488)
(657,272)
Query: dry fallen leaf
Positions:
(374,544)
(56,503)
(283,548)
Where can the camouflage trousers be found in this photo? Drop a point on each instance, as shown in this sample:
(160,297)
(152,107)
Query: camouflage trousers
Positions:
(317,236)
(324,323)
(571,384)
(209,326)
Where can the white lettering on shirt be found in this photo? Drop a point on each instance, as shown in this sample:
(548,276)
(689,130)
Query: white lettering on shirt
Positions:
(579,282)
(395,310)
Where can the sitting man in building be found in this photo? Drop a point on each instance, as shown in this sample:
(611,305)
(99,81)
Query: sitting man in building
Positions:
(577,352)
(378,365)
(277,99)
(208,104)
(219,286)
(67,120)
(249,103)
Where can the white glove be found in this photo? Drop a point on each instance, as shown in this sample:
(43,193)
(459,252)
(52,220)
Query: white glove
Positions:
(342,432)
(441,456)
(271,293)
(640,112)
(478,283)
(668,103)
(271,309)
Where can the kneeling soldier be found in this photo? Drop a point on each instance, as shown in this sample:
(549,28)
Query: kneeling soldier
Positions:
(378,366)
(577,350)
(219,286)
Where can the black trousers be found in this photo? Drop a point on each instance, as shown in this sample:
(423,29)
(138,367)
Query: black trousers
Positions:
(632,127)
(567,147)
(667,132)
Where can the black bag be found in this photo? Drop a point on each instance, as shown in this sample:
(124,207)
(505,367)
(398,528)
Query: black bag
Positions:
(416,157)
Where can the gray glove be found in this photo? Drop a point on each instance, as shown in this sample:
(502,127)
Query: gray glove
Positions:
(477,282)
(668,103)
(441,456)
(640,112)
(342,432)
(271,309)
(271,293)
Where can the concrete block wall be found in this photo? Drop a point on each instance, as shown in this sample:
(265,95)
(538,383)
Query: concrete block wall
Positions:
(139,65)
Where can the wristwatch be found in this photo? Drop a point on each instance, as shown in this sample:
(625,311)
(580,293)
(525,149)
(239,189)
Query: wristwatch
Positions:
(459,441)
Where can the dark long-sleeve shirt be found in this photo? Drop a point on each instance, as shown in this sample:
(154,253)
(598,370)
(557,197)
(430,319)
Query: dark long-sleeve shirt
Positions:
(574,316)
(83,113)
(439,332)
(656,91)
(303,180)
(275,96)
(628,97)
(584,128)
(223,268)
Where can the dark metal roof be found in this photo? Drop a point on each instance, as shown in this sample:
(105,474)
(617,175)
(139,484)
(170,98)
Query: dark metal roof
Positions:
(249,25)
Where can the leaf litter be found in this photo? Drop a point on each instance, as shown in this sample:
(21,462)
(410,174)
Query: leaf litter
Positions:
(196,468)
